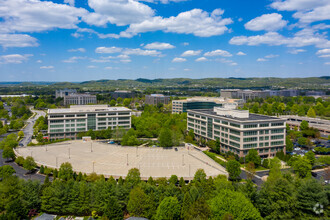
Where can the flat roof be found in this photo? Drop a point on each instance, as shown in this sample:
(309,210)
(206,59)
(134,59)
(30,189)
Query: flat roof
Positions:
(87,108)
(252,117)
(219,100)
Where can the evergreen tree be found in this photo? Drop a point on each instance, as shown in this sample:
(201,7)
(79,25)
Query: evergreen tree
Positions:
(113,210)
(168,209)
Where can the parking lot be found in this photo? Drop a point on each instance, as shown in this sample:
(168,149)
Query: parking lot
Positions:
(114,160)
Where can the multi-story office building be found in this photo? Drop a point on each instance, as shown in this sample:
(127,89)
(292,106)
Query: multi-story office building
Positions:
(67,122)
(179,106)
(155,99)
(122,94)
(64,92)
(238,130)
(315,93)
(79,99)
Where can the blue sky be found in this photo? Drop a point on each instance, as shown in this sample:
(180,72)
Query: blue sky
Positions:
(79,40)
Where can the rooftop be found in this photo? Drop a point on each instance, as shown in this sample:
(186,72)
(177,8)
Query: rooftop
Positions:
(158,95)
(80,95)
(87,108)
(122,91)
(209,99)
(251,117)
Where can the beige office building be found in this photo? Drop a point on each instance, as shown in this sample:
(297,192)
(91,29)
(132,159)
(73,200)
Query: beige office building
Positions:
(68,122)
(80,99)
(238,130)
(155,99)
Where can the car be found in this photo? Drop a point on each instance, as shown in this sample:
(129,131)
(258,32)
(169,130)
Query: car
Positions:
(314,174)
(111,142)
(176,149)
(21,144)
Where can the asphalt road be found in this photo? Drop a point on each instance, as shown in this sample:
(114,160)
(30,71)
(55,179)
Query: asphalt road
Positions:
(28,130)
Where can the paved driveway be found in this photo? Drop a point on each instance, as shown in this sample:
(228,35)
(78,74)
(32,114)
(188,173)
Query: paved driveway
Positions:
(28,130)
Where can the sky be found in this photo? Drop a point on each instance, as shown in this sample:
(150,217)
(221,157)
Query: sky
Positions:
(80,40)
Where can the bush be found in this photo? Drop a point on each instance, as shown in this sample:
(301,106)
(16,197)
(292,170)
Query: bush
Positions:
(20,160)
(265,163)
(213,157)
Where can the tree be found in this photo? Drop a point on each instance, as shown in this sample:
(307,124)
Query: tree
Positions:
(234,169)
(19,160)
(137,203)
(65,172)
(253,157)
(6,171)
(29,163)
(133,178)
(302,141)
(165,138)
(20,134)
(126,102)
(311,113)
(8,152)
(289,144)
(112,209)
(250,168)
(235,203)
(113,102)
(309,193)
(302,167)
(304,125)
(168,209)
(311,157)
(40,138)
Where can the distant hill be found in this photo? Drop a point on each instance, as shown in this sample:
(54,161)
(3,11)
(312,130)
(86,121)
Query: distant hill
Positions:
(182,83)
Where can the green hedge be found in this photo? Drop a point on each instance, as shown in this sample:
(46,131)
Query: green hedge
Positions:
(213,156)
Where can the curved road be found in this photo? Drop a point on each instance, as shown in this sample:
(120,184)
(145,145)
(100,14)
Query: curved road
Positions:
(28,130)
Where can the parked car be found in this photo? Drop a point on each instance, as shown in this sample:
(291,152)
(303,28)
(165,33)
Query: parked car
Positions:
(111,142)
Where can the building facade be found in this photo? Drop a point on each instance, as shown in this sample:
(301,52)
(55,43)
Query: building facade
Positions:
(122,94)
(61,93)
(239,131)
(180,106)
(80,99)
(252,94)
(68,122)
(155,99)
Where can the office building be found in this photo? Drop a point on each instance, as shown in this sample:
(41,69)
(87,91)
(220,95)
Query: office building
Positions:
(122,94)
(155,99)
(79,99)
(64,92)
(238,130)
(179,106)
(68,122)
(315,93)
(252,94)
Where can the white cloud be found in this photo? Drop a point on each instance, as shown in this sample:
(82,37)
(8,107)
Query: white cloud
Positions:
(140,52)
(271,56)
(14,58)
(226,61)
(119,12)
(189,53)
(323,51)
(39,61)
(37,16)
(108,68)
(126,60)
(163,1)
(325,56)
(327,63)
(47,67)
(197,22)
(222,53)
(159,46)
(187,69)
(83,50)
(296,51)
(108,50)
(201,59)
(308,11)
(17,40)
(267,22)
(73,59)
(240,53)
(305,37)
(179,60)
(262,60)
(70,2)
(185,44)
(91,67)
(76,35)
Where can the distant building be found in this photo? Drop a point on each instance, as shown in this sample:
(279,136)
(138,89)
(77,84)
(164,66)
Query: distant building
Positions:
(68,122)
(238,130)
(64,92)
(155,99)
(3,121)
(79,99)
(122,94)
(315,93)
(252,94)
(179,106)
(16,96)
(320,124)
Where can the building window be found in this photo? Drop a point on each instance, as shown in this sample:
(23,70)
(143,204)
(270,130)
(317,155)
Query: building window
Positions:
(250,139)
(276,131)
(250,133)
(251,126)
(235,125)
(264,125)
(277,124)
